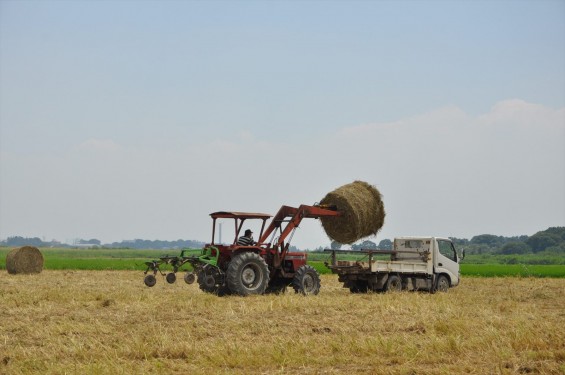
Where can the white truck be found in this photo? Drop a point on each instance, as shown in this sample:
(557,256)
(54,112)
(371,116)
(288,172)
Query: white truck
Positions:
(415,263)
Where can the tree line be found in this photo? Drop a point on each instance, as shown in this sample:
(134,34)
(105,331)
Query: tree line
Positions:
(18,241)
(547,242)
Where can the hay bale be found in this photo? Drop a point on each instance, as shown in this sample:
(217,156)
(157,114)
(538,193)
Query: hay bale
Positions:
(362,209)
(27,259)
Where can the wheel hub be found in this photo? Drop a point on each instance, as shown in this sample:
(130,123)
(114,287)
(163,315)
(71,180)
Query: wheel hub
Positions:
(248,276)
(308,282)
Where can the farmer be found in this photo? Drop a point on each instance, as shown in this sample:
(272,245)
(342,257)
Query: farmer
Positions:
(247,239)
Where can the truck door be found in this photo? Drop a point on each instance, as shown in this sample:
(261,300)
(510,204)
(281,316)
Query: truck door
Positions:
(446,260)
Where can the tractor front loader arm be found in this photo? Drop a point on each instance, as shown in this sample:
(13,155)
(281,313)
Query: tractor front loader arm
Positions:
(296,215)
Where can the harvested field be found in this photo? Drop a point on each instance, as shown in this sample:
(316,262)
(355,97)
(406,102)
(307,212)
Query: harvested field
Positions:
(108,322)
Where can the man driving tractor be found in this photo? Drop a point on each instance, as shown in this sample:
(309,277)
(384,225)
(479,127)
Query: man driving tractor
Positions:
(246,239)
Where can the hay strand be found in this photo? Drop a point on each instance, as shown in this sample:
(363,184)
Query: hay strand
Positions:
(362,209)
(27,259)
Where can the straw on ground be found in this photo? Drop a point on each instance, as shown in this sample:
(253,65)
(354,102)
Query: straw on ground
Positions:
(108,322)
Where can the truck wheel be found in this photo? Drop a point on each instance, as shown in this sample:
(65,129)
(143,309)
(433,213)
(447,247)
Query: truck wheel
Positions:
(247,274)
(306,281)
(393,284)
(442,284)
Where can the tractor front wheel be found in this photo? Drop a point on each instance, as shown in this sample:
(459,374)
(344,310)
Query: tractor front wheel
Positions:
(306,281)
(247,274)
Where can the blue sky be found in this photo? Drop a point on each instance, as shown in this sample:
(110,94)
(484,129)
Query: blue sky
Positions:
(126,119)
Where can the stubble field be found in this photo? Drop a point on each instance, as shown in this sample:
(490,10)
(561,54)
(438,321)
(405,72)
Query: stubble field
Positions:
(108,322)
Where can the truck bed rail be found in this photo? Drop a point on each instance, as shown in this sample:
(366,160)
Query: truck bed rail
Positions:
(369,251)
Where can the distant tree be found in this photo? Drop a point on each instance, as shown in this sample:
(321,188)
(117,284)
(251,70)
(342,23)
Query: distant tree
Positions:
(368,245)
(92,241)
(385,244)
(356,246)
(335,245)
(459,241)
(18,241)
(486,239)
(515,248)
(542,240)
(156,244)
(558,249)
(559,231)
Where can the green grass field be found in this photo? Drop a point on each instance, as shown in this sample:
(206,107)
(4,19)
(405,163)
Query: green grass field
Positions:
(521,270)
(126,259)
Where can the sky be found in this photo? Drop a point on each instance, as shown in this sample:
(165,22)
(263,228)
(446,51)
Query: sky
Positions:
(137,119)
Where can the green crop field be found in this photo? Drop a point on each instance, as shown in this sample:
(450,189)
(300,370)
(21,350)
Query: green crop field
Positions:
(130,259)
(521,270)
(97,259)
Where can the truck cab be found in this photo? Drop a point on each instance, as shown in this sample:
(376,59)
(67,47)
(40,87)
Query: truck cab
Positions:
(442,259)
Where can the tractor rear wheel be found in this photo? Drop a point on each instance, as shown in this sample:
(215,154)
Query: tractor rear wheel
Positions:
(247,274)
(306,281)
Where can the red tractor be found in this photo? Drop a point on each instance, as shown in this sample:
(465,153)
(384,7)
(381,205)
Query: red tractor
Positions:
(266,266)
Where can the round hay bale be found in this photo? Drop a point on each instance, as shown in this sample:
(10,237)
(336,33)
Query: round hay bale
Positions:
(362,212)
(27,259)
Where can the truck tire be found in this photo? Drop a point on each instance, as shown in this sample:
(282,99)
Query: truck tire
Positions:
(442,284)
(306,281)
(247,274)
(393,283)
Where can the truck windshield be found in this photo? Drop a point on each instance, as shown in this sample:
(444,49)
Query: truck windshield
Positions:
(447,250)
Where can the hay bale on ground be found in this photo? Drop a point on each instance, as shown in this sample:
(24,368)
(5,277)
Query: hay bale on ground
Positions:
(362,209)
(27,259)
